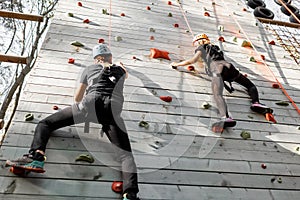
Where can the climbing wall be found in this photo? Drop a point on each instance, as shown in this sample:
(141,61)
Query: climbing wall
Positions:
(168,113)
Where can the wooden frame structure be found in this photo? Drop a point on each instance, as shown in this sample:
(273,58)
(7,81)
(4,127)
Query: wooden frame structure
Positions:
(22,16)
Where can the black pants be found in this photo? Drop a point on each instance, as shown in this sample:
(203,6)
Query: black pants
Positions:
(99,110)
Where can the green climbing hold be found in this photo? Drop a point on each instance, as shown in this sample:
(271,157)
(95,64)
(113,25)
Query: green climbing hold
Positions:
(206,105)
(29,117)
(170,15)
(252,59)
(282,103)
(104,11)
(298,148)
(77,44)
(279,180)
(245,135)
(144,124)
(70,14)
(85,157)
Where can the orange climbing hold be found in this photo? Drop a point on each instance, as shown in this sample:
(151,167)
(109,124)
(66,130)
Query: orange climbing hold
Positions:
(272,42)
(156,53)
(270,117)
(206,14)
(221,39)
(166,98)
(71,60)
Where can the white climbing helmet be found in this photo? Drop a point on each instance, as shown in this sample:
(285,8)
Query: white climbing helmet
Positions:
(101,49)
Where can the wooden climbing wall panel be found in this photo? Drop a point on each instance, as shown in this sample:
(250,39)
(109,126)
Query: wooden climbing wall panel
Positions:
(178,157)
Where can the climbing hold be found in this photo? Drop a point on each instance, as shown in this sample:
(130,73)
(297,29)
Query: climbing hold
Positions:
(206,14)
(264,166)
(234,39)
(133,57)
(156,53)
(245,43)
(245,75)
(279,180)
(252,59)
(29,117)
(187,31)
(55,107)
(272,42)
(118,38)
(123,14)
(191,68)
(298,148)
(86,21)
(1,123)
(104,11)
(71,60)
(148,8)
(282,103)
(176,25)
(221,39)
(245,135)
(70,14)
(213,3)
(152,30)
(79,3)
(166,98)
(270,117)
(170,15)
(263,57)
(275,85)
(221,28)
(151,37)
(77,44)
(85,157)
(273,179)
(117,186)
(244,9)
(101,40)
(205,105)
(144,124)
(169,2)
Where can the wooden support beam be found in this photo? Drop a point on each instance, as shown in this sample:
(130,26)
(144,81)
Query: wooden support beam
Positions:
(13,59)
(9,14)
(279,23)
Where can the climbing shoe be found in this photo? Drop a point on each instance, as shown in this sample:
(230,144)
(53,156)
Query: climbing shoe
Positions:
(25,159)
(260,108)
(130,196)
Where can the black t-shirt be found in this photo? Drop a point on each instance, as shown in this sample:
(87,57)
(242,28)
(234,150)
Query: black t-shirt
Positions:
(106,81)
(210,53)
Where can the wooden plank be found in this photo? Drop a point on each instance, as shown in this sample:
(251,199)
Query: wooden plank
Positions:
(13,59)
(23,16)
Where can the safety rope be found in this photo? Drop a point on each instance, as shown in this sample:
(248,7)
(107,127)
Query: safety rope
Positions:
(185,18)
(110,23)
(280,85)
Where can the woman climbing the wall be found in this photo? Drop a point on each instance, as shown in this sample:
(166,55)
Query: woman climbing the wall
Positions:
(220,70)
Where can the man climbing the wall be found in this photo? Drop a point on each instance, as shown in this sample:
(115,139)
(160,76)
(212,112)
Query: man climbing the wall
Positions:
(220,70)
(99,99)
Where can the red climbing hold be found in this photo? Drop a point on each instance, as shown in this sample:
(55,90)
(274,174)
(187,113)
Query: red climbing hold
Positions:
(244,9)
(117,186)
(79,4)
(270,117)
(206,14)
(133,57)
(264,166)
(272,42)
(123,14)
(191,68)
(166,98)
(148,8)
(176,25)
(246,75)
(86,21)
(101,40)
(221,39)
(169,2)
(55,107)
(156,53)
(275,85)
(151,37)
(263,57)
(71,60)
